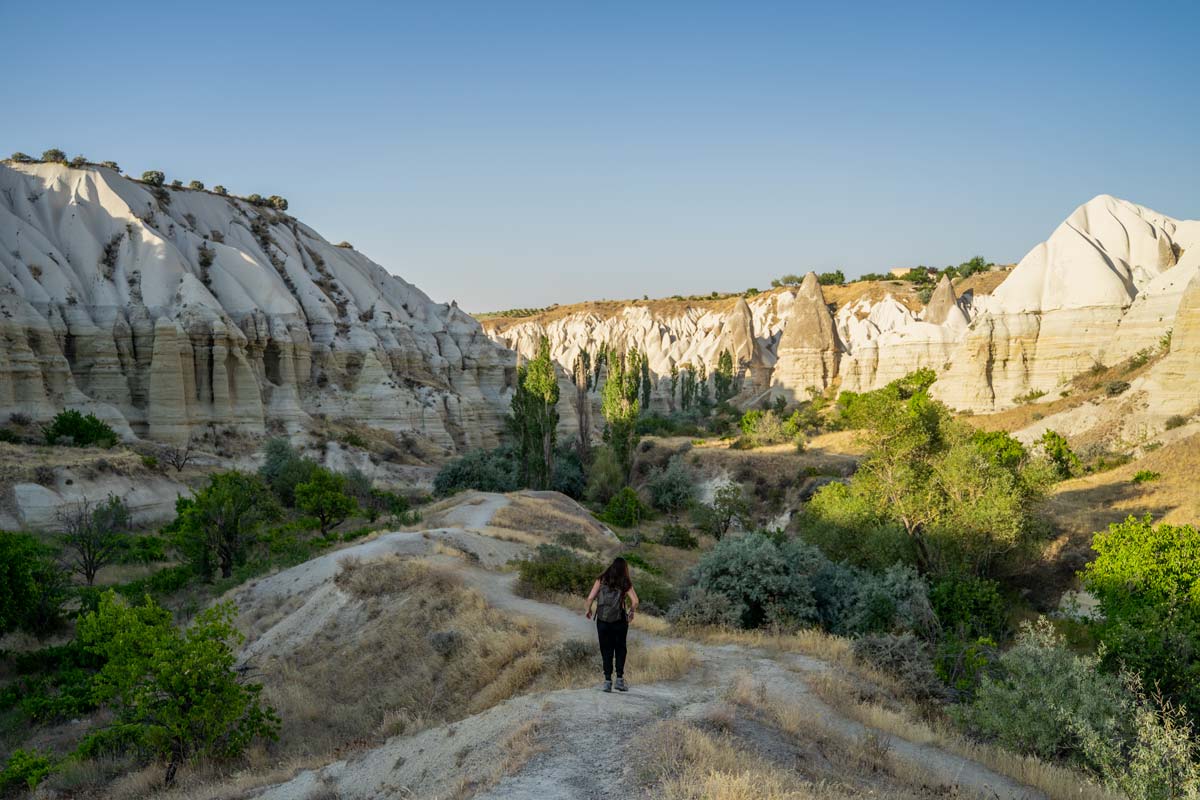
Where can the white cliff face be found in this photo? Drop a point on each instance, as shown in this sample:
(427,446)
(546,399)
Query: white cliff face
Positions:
(165,317)
(1108,283)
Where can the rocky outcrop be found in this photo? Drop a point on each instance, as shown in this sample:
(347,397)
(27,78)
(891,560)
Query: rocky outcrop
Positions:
(164,310)
(809,350)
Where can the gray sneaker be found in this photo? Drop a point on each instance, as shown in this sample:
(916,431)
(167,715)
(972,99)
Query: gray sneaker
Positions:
(621,687)
(608,686)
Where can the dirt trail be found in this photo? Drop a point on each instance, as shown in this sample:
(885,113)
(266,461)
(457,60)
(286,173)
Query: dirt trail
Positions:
(588,740)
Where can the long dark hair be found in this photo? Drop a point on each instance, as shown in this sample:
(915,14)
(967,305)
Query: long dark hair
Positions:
(617,575)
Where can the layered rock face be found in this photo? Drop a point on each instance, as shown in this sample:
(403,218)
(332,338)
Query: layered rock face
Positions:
(163,311)
(1108,283)
(1070,304)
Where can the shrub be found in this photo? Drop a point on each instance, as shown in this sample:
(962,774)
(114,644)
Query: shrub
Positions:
(78,162)
(625,509)
(969,606)
(1059,453)
(674,488)
(556,569)
(178,184)
(765,583)
(896,600)
(729,507)
(606,477)
(33,588)
(700,607)
(575,539)
(1145,476)
(111,165)
(219,189)
(483,470)
(20,158)
(1175,421)
(284,469)
(217,527)
(255,199)
(1046,701)
(567,476)
(1146,578)
(25,769)
(1114,388)
(324,496)
(93,534)
(153,177)
(905,657)
(678,536)
(54,155)
(278,203)
(83,431)
(197,185)
(768,427)
(179,691)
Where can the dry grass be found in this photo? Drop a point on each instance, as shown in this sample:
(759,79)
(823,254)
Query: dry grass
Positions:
(1055,781)
(546,516)
(665,663)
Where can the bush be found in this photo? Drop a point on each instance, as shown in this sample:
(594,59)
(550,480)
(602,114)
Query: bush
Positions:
(674,488)
(764,583)
(153,177)
(219,189)
(1175,421)
(33,588)
(1046,701)
(54,155)
(1060,455)
(700,607)
(556,569)
(625,509)
(197,185)
(768,427)
(904,657)
(606,477)
(20,158)
(856,602)
(969,606)
(25,769)
(1145,476)
(217,527)
(324,496)
(568,476)
(678,536)
(180,691)
(729,508)
(284,469)
(83,431)
(483,470)
(1114,388)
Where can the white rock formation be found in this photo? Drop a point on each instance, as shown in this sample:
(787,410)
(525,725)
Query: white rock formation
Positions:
(165,313)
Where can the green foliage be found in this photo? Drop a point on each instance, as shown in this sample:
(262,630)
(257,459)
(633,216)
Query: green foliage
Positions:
(1058,451)
(218,526)
(700,607)
(678,536)
(20,158)
(534,418)
(54,155)
(33,588)
(1175,421)
(999,447)
(625,509)
(723,377)
(556,569)
(835,278)
(180,690)
(849,526)
(92,536)
(769,427)
(278,203)
(1146,476)
(25,769)
(495,470)
(197,185)
(1114,388)
(219,189)
(284,469)
(729,507)
(1147,580)
(762,581)
(83,431)
(969,606)
(620,406)
(1029,397)
(673,488)
(1046,701)
(153,177)
(606,476)
(324,496)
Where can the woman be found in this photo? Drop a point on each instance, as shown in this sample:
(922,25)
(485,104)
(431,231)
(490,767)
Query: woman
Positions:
(612,620)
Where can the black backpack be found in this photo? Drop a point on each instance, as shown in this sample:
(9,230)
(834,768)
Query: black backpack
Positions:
(610,604)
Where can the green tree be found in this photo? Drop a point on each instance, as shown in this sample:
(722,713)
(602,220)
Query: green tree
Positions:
(20,158)
(324,497)
(674,384)
(32,586)
(647,386)
(217,528)
(197,185)
(278,203)
(83,431)
(284,469)
(723,377)
(581,374)
(219,189)
(176,693)
(729,506)
(1060,454)
(93,535)
(54,156)
(153,177)
(534,418)
(619,404)
(835,278)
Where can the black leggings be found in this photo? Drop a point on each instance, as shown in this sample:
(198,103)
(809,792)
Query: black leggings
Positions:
(612,642)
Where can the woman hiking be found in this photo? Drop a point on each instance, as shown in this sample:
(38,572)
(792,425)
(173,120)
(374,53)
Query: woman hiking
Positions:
(612,620)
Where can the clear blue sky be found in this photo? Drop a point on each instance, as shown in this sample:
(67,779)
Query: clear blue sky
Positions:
(518,154)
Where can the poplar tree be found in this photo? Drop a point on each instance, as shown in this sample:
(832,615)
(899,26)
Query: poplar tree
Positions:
(620,406)
(534,417)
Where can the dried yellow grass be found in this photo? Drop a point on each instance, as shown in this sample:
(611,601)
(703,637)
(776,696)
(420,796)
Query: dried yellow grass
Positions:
(666,663)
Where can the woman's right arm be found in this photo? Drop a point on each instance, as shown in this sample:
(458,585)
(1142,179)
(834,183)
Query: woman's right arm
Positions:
(587,609)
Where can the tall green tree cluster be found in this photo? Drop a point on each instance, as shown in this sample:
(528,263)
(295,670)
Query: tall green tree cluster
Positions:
(534,417)
(620,405)
(723,379)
